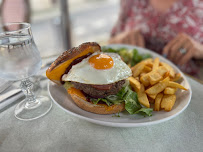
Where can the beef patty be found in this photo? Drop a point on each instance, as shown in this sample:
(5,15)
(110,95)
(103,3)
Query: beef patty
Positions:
(99,91)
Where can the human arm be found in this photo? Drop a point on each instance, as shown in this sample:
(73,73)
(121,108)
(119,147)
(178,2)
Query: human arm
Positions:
(122,31)
(132,37)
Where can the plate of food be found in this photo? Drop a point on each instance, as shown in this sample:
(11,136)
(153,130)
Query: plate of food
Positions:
(118,85)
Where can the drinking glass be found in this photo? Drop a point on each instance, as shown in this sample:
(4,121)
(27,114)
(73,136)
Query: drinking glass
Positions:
(19,60)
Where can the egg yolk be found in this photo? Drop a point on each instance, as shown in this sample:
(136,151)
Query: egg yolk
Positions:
(101,61)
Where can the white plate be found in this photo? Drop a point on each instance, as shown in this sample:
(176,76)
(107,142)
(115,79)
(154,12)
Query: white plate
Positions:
(64,101)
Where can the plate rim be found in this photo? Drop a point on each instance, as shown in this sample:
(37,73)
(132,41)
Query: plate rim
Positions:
(117,124)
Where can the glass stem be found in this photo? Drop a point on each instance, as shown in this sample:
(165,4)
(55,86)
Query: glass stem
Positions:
(27,86)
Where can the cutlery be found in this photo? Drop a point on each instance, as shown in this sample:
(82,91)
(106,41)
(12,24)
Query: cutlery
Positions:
(9,94)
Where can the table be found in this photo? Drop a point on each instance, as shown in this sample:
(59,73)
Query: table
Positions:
(61,132)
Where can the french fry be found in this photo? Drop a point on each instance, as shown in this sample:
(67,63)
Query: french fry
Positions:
(159,87)
(156,64)
(168,102)
(142,97)
(177,77)
(153,96)
(146,69)
(169,68)
(137,78)
(162,70)
(134,83)
(147,61)
(142,74)
(157,104)
(154,82)
(145,80)
(170,90)
(154,78)
(167,74)
(175,85)
(137,70)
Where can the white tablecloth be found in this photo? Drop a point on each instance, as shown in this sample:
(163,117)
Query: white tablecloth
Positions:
(61,132)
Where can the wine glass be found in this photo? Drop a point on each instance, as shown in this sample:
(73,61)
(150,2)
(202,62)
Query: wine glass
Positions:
(19,60)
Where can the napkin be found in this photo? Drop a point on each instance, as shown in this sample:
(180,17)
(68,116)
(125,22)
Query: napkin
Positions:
(4,87)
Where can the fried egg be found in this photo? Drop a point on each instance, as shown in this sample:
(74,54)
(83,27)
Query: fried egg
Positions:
(99,68)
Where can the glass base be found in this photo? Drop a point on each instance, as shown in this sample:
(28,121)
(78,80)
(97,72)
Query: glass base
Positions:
(39,108)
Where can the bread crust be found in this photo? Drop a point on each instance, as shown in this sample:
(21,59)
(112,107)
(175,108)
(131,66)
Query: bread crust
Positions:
(69,54)
(97,108)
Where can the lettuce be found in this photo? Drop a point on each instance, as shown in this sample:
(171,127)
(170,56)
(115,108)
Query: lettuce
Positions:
(129,97)
(67,85)
(95,101)
(131,102)
(130,57)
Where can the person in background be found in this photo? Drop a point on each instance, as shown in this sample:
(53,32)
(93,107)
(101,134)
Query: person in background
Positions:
(173,28)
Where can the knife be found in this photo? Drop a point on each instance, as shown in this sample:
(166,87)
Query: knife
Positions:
(9,94)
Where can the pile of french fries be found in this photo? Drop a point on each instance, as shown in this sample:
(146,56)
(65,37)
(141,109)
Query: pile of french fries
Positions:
(155,83)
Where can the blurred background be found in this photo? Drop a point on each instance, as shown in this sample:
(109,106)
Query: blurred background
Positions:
(60,24)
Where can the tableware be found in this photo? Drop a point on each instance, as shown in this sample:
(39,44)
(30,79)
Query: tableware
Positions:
(9,94)
(64,101)
(19,60)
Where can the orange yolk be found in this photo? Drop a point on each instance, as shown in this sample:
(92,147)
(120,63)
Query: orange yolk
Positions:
(101,61)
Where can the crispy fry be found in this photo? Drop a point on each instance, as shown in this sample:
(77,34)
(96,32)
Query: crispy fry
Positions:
(177,77)
(154,78)
(168,102)
(147,61)
(149,64)
(142,97)
(175,85)
(159,87)
(137,78)
(167,74)
(169,68)
(137,70)
(158,80)
(134,83)
(153,96)
(157,104)
(170,90)
(162,70)
(146,69)
(145,79)
(156,64)
(142,74)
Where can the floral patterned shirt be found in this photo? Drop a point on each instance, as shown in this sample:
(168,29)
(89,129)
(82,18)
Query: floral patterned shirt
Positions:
(184,16)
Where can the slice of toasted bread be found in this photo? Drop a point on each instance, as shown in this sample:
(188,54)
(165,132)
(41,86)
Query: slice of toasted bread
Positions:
(97,108)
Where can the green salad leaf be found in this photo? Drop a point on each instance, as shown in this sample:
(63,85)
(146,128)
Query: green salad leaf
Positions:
(131,102)
(95,101)
(128,96)
(130,57)
(67,85)
(145,111)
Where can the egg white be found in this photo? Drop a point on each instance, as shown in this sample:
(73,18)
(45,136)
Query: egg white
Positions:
(83,72)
